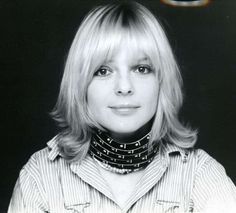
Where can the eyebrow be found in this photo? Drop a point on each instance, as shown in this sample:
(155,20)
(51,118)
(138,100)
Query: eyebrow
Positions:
(143,59)
(140,60)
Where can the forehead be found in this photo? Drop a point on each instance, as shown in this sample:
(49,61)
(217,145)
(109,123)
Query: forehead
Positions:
(128,54)
(128,45)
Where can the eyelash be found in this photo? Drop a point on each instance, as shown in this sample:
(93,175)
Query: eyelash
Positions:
(147,70)
(98,72)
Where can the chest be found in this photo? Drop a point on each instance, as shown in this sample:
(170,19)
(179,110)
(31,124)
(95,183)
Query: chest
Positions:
(159,189)
(122,186)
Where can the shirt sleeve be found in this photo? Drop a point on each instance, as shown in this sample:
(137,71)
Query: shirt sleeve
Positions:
(213,189)
(27,196)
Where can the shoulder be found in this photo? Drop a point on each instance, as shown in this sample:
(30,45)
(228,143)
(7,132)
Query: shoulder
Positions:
(206,163)
(202,156)
(36,181)
(43,158)
(210,176)
(198,160)
(197,157)
(213,190)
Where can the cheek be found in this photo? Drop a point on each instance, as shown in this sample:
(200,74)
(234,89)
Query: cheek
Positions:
(150,95)
(151,105)
(96,96)
(93,99)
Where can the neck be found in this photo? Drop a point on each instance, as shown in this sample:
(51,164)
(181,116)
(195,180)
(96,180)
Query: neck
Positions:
(131,136)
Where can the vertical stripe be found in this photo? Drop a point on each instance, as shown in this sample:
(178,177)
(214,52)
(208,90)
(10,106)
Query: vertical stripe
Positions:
(176,181)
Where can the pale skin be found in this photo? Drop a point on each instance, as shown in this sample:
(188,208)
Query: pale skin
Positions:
(122,97)
(122,186)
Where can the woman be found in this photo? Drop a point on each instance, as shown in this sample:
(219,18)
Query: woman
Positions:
(121,148)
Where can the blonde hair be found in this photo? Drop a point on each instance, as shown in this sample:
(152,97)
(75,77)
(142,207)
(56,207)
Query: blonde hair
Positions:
(99,35)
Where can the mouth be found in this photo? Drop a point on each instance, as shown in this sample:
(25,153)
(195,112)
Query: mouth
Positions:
(124,109)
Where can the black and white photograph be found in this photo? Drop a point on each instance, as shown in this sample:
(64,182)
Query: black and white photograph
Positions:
(118,106)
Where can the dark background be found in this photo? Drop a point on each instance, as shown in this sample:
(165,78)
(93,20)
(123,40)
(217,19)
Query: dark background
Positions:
(35,38)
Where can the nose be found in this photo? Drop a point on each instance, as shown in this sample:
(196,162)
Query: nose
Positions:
(124,85)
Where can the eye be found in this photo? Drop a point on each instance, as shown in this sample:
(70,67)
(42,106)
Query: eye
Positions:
(103,71)
(143,69)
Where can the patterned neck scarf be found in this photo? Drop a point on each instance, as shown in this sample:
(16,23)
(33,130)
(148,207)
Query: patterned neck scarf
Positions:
(119,157)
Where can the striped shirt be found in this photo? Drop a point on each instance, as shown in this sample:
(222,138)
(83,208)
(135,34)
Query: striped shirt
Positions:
(177,180)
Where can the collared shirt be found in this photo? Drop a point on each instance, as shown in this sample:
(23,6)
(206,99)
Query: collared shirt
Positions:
(177,180)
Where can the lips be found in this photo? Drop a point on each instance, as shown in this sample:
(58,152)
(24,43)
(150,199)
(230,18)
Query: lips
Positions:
(124,109)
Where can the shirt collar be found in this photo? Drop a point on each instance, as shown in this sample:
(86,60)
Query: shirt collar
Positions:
(54,150)
(169,149)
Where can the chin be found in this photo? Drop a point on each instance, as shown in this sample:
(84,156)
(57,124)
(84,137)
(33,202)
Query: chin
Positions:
(127,128)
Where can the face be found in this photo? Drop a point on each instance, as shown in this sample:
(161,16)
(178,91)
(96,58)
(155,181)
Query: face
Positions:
(123,93)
